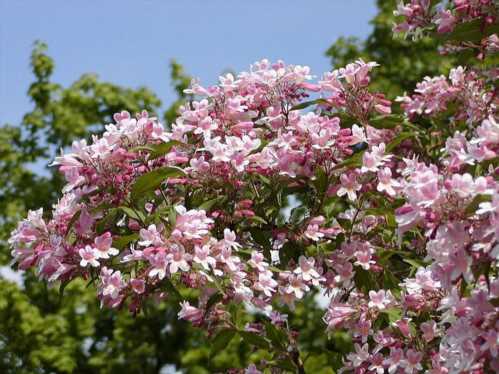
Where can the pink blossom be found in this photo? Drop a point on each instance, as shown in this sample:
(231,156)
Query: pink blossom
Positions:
(103,246)
(372,161)
(380,299)
(90,256)
(190,313)
(349,186)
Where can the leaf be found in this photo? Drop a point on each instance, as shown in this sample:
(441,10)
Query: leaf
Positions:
(161,149)
(207,205)
(158,150)
(108,220)
(254,339)
(393,314)
(398,139)
(62,287)
(386,122)
(258,219)
(306,104)
(286,364)
(122,241)
(276,336)
(221,340)
(72,221)
(353,161)
(172,290)
(473,31)
(172,216)
(321,181)
(477,200)
(413,262)
(299,214)
(214,299)
(134,214)
(152,180)
(261,237)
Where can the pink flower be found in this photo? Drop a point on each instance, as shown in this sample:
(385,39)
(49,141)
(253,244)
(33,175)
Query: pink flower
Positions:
(349,186)
(372,161)
(190,313)
(395,360)
(177,259)
(445,21)
(90,256)
(307,269)
(429,330)
(151,237)
(412,363)
(158,264)
(337,314)
(360,356)
(103,246)
(266,283)
(138,285)
(251,369)
(386,183)
(192,224)
(380,299)
(202,257)
(230,239)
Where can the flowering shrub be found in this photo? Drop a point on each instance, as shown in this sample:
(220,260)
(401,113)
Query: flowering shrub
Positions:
(272,186)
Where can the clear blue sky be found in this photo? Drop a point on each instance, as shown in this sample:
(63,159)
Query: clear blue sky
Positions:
(130,42)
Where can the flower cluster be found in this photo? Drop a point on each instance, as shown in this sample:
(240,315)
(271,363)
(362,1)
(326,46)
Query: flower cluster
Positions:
(445,17)
(396,216)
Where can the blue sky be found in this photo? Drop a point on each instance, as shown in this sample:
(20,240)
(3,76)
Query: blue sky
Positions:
(130,42)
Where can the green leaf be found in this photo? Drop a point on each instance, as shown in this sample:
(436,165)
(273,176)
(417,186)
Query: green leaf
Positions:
(254,339)
(306,104)
(398,139)
(393,314)
(386,122)
(152,180)
(353,161)
(299,214)
(221,340)
(207,205)
(286,364)
(473,31)
(413,262)
(277,337)
(172,290)
(161,149)
(122,241)
(477,200)
(321,181)
(158,150)
(214,299)
(134,214)
(72,221)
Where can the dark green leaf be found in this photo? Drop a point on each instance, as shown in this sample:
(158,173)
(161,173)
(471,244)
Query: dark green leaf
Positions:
(122,241)
(398,139)
(277,337)
(353,161)
(386,122)
(473,31)
(207,205)
(134,214)
(254,339)
(152,180)
(474,204)
(221,340)
(306,104)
